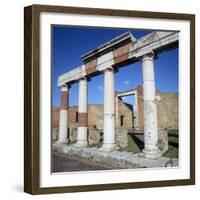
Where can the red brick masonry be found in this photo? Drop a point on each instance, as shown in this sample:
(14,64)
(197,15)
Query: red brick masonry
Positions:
(82,119)
(121,54)
(64,100)
(91,67)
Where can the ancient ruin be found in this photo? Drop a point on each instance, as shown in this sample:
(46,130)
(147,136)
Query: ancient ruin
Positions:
(106,59)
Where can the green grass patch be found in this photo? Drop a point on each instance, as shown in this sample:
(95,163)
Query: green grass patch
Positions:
(132,146)
(136,147)
(173,132)
(173,143)
(172,152)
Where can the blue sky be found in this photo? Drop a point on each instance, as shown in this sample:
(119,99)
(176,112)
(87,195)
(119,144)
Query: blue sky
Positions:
(69,43)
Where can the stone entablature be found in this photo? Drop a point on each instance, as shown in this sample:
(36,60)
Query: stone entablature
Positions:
(126,48)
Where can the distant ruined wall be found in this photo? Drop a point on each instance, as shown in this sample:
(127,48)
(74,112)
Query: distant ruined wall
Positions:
(167,111)
(55,117)
(125,115)
(95,116)
(140,108)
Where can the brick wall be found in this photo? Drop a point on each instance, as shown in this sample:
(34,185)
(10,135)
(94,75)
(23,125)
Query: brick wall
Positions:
(125,115)
(167,111)
(95,116)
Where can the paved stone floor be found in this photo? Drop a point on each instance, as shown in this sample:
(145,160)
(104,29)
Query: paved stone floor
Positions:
(63,163)
(71,158)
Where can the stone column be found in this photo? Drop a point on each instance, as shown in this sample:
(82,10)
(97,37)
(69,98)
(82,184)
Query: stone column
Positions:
(63,123)
(151,149)
(82,134)
(109,111)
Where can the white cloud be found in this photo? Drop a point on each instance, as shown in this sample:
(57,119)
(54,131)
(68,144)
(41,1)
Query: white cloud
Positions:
(126,82)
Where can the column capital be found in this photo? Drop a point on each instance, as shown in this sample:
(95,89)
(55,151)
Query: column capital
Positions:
(109,69)
(148,56)
(65,88)
(86,78)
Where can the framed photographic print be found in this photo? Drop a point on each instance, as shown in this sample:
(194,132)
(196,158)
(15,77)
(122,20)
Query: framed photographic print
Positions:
(109,99)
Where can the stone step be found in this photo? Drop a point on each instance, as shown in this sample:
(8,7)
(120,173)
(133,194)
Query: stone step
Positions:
(121,160)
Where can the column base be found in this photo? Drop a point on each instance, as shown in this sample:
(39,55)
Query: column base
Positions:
(153,154)
(109,147)
(66,141)
(81,143)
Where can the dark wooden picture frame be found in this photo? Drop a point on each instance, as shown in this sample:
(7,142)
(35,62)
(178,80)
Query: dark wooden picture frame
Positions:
(32,98)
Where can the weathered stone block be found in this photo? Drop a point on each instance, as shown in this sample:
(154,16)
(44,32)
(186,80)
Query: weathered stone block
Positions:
(54,134)
(72,134)
(163,139)
(122,137)
(94,136)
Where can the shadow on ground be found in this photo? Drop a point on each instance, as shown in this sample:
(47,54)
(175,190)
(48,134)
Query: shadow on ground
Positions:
(136,143)
(138,139)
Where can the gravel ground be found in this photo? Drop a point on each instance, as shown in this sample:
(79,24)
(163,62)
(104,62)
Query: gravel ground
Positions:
(64,163)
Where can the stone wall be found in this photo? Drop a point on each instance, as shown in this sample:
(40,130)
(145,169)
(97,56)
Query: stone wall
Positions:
(167,111)
(167,108)
(163,140)
(122,137)
(124,117)
(95,116)
(93,136)
(55,117)
(140,108)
